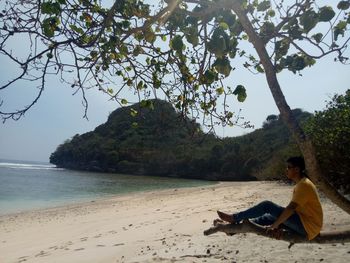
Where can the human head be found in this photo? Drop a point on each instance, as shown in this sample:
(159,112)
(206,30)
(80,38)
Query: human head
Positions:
(298,164)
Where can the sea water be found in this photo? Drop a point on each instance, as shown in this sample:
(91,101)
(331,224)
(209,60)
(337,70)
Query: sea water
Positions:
(32,185)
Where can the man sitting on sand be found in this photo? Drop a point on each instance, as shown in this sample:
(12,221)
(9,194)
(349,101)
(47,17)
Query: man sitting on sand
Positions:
(303,215)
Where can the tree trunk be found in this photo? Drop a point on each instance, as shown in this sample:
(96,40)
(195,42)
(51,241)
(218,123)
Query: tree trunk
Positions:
(314,171)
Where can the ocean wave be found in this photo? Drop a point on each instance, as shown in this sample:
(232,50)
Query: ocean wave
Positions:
(29,166)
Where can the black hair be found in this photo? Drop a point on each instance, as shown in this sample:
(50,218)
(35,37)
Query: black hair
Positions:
(298,161)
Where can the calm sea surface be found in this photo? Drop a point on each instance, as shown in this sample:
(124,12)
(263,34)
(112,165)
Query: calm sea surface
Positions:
(31,185)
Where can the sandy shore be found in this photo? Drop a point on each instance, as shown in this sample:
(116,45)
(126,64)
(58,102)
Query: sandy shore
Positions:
(161,226)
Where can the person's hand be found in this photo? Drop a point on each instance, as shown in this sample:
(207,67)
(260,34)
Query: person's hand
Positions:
(274,231)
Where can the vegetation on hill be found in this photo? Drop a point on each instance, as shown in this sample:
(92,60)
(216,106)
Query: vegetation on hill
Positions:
(330,133)
(264,151)
(156,140)
(152,140)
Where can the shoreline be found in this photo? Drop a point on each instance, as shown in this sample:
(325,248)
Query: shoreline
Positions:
(159,226)
(102,199)
(94,186)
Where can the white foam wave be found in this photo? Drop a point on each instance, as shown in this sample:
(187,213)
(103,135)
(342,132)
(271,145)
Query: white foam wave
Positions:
(29,166)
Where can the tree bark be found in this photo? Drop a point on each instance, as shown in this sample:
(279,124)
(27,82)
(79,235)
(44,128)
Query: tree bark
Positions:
(314,171)
(249,227)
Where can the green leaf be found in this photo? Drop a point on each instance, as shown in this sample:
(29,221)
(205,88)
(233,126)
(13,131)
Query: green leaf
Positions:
(298,63)
(209,77)
(46,8)
(176,43)
(222,65)
(129,82)
(341,25)
(49,26)
(133,112)
(267,29)
(156,82)
(294,30)
(138,36)
(343,5)
(339,29)
(94,54)
(271,13)
(224,26)
(264,5)
(309,20)
(318,37)
(77,29)
(140,85)
(260,69)
(240,91)
(126,24)
(281,48)
(138,50)
(50,8)
(123,49)
(149,35)
(124,101)
(192,35)
(219,42)
(228,17)
(217,46)
(220,91)
(326,14)
(309,61)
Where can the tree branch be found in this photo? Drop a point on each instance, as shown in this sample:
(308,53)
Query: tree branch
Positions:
(288,236)
(16,115)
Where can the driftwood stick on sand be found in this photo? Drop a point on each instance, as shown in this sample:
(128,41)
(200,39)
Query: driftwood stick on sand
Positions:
(250,227)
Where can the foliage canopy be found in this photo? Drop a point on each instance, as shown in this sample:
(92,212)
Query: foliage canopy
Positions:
(181,49)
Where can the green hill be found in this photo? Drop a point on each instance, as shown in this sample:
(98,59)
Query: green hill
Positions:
(265,150)
(156,141)
(159,141)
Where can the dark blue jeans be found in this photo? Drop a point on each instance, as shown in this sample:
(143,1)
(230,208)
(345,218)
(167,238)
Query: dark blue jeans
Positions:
(266,213)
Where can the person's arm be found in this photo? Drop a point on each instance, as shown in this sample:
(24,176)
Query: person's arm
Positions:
(287,212)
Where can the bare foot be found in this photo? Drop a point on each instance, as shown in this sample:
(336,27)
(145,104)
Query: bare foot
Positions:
(226,217)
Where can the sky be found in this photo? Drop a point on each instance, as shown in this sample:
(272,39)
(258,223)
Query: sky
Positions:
(58,115)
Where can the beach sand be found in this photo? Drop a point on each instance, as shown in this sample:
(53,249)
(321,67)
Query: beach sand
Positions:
(160,226)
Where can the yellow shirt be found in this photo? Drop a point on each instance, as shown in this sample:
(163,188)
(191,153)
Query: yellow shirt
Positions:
(309,207)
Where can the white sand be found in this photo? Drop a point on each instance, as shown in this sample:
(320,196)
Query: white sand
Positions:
(160,226)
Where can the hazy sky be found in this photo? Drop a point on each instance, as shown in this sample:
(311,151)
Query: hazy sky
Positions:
(59,115)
